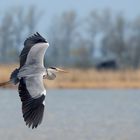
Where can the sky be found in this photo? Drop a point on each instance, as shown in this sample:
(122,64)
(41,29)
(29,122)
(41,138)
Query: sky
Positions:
(130,8)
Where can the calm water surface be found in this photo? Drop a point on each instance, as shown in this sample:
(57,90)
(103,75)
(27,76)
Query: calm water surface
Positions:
(75,115)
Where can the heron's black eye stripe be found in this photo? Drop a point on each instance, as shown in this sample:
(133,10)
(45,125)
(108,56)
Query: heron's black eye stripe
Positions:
(52,68)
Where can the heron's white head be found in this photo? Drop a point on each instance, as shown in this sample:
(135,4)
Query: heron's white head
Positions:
(56,70)
(51,72)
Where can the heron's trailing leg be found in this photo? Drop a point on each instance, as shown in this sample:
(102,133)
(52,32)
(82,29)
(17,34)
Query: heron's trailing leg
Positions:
(5,83)
(13,79)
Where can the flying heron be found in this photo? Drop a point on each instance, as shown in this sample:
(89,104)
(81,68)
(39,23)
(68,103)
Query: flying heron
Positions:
(30,75)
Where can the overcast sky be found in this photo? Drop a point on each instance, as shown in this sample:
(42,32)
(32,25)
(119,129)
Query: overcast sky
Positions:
(130,8)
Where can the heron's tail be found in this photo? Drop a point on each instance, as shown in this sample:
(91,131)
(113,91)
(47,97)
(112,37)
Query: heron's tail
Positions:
(5,83)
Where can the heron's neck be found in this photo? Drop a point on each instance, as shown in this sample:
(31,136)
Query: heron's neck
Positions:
(50,74)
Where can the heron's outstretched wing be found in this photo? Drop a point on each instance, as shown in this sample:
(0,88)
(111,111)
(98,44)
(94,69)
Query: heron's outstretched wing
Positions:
(34,50)
(32,94)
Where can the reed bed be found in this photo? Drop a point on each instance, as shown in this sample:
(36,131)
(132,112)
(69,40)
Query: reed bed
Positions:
(88,78)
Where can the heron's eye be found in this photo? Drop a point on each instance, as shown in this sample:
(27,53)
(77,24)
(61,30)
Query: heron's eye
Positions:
(52,68)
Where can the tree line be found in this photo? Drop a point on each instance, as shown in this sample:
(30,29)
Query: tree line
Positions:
(74,41)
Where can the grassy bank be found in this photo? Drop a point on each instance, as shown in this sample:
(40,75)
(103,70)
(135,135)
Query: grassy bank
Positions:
(77,78)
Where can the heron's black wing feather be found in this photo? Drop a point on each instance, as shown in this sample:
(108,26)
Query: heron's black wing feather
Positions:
(32,108)
(28,44)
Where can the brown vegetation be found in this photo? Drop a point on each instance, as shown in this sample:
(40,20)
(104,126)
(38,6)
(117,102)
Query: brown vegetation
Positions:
(91,78)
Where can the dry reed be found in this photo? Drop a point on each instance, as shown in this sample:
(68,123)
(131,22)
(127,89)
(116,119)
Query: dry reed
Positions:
(91,78)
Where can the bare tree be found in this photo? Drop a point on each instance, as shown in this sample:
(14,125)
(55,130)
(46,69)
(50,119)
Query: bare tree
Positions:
(113,42)
(6,36)
(81,54)
(14,27)
(62,36)
(93,28)
(134,44)
(32,19)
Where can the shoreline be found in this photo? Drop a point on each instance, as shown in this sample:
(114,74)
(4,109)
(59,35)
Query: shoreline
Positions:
(84,79)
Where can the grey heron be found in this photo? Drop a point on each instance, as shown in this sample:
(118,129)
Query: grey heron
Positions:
(30,75)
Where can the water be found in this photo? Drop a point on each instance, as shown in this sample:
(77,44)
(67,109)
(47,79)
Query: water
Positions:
(75,115)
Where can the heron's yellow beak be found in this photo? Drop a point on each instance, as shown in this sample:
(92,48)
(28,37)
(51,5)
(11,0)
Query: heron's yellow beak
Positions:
(61,70)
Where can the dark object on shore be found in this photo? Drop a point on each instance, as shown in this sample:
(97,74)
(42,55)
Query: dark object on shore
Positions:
(107,65)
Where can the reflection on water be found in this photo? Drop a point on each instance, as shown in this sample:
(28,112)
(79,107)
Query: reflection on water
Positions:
(75,115)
